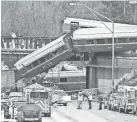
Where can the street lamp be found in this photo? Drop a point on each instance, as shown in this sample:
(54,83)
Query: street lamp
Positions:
(111,30)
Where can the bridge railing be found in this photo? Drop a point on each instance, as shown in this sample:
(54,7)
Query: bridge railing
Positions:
(25,42)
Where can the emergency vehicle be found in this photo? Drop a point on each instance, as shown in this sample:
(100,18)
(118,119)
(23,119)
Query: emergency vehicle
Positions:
(40,96)
(135,105)
(60,94)
(126,98)
(113,102)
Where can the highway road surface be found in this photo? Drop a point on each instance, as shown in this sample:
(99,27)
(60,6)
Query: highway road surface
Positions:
(71,114)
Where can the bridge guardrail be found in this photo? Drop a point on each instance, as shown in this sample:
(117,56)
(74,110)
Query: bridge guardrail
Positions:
(25,42)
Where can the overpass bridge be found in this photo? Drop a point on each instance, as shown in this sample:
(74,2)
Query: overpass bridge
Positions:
(93,40)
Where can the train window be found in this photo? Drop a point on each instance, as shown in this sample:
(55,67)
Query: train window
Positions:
(74,26)
(42,60)
(128,40)
(101,41)
(63,79)
(49,56)
(106,41)
(90,42)
(60,50)
(35,63)
(116,40)
(95,41)
(80,42)
(24,69)
(132,39)
(45,58)
(109,41)
(122,40)
(29,67)
(63,48)
(55,52)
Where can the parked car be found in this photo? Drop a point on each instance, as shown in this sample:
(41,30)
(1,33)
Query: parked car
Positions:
(58,97)
(30,112)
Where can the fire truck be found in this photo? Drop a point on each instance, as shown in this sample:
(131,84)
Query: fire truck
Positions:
(135,105)
(41,96)
(126,98)
(112,103)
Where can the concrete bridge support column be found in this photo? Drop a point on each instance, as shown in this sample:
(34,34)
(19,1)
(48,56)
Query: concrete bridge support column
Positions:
(91,74)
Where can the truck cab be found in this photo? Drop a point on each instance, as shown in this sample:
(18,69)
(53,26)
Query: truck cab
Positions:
(40,96)
(126,99)
(135,104)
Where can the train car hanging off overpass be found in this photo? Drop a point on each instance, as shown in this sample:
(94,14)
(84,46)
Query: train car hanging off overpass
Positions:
(46,57)
(100,39)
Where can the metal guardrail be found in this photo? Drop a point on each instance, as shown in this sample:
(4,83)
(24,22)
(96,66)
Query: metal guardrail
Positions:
(24,42)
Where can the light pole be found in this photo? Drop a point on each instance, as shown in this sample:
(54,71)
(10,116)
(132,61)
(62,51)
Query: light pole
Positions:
(95,13)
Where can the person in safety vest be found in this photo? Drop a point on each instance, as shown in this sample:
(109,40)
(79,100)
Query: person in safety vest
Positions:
(90,100)
(80,100)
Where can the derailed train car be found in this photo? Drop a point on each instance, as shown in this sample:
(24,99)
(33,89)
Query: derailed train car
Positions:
(46,57)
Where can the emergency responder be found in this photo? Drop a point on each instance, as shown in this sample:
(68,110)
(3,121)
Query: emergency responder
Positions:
(12,110)
(100,102)
(90,100)
(80,99)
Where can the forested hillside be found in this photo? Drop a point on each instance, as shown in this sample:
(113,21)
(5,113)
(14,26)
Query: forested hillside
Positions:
(43,18)
(129,79)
